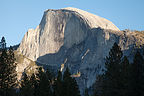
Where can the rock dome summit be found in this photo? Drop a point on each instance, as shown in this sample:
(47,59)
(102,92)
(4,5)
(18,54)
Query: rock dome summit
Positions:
(62,27)
(92,20)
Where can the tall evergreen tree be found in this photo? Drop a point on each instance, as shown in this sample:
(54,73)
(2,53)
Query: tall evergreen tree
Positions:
(137,75)
(98,85)
(8,74)
(49,75)
(112,73)
(43,88)
(12,69)
(125,78)
(111,77)
(120,77)
(26,86)
(70,85)
(3,43)
(86,92)
(34,84)
(75,87)
(3,72)
(58,85)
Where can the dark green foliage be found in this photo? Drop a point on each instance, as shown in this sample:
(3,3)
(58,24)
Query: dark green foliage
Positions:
(49,75)
(58,85)
(38,85)
(75,88)
(125,78)
(111,78)
(137,76)
(3,72)
(86,92)
(26,88)
(70,86)
(3,43)
(34,84)
(12,79)
(115,80)
(98,85)
(43,86)
(8,74)
(66,85)
(120,77)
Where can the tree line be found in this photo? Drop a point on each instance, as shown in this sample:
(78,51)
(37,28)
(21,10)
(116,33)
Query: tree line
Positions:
(121,78)
(41,83)
(44,84)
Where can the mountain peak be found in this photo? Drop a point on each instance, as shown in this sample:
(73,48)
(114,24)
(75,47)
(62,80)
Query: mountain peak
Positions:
(92,20)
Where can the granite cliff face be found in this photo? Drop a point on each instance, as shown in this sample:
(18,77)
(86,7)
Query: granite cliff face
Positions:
(64,27)
(76,39)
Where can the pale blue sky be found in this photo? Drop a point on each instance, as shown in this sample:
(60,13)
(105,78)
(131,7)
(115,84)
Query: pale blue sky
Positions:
(17,16)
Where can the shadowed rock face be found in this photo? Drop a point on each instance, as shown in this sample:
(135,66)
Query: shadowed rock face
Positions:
(78,39)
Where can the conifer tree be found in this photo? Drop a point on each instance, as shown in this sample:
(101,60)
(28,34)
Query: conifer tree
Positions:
(70,85)
(26,86)
(49,75)
(75,87)
(86,92)
(125,78)
(58,85)
(111,77)
(67,79)
(3,43)
(3,72)
(120,77)
(34,84)
(98,85)
(137,76)
(12,69)
(43,88)
(8,74)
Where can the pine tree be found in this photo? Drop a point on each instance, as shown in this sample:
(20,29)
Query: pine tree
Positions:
(111,77)
(26,86)
(12,69)
(8,74)
(3,43)
(137,76)
(70,85)
(125,78)
(120,77)
(3,72)
(86,92)
(34,84)
(67,79)
(49,75)
(98,85)
(43,88)
(58,85)
(75,87)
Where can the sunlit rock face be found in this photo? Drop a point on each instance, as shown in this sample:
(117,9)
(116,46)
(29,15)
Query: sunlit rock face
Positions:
(94,21)
(77,39)
(64,27)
